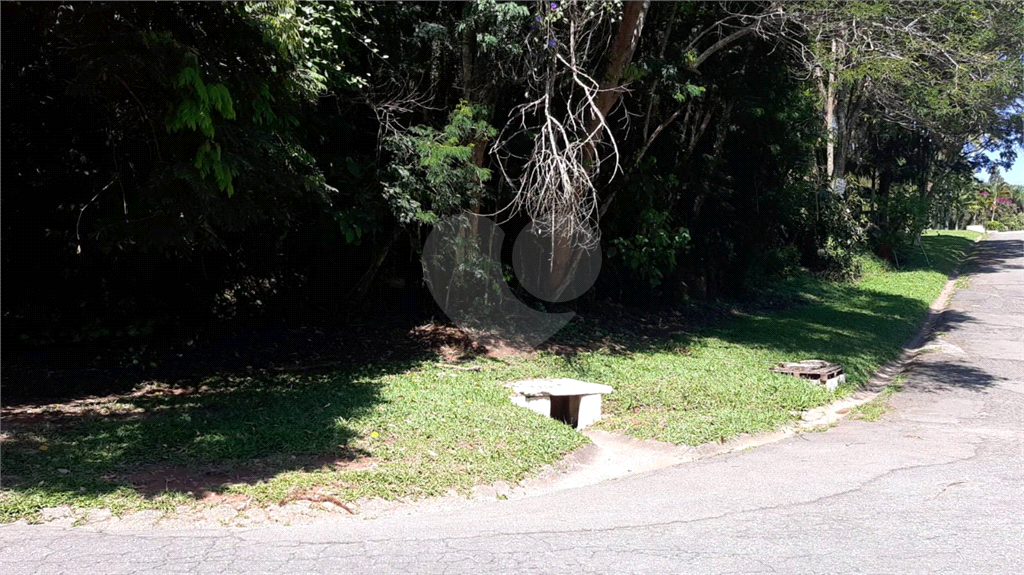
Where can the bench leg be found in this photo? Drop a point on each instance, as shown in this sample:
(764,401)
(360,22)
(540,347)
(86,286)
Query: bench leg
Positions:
(541,405)
(590,410)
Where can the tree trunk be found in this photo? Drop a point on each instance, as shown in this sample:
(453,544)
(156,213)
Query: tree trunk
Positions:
(830,134)
(468,53)
(620,55)
(830,120)
(652,105)
(362,287)
(469,48)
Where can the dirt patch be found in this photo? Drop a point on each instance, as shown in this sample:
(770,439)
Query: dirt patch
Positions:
(448,341)
(13,418)
(320,495)
(453,344)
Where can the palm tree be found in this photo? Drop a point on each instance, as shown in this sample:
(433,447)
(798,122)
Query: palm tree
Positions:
(977,205)
(993,194)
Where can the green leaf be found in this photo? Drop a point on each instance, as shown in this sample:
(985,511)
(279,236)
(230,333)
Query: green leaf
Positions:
(353,167)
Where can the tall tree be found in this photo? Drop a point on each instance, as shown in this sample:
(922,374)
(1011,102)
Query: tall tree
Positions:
(947,67)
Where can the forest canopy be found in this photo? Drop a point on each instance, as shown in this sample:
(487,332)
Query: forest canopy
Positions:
(171,164)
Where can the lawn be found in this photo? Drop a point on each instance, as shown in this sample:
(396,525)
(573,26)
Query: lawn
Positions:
(421,428)
(722,387)
(714,385)
(393,431)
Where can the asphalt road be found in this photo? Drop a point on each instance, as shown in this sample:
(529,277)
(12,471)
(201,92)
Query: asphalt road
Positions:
(936,486)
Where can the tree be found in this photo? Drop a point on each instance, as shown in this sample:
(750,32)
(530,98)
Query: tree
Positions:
(173,137)
(198,155)
(997,192)
(948,68)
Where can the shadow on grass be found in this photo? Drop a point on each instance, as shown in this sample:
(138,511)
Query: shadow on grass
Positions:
(941,253)
(863,328)
(191,439)
(849,324)
(245,429)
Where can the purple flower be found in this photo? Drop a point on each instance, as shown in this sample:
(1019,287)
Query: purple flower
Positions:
(551,43)
(554,6)
(984,194)
(537,18)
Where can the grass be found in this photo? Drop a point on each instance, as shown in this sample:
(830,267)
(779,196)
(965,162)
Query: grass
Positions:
(715,385)
(402,430)
(419,429)
(879,406)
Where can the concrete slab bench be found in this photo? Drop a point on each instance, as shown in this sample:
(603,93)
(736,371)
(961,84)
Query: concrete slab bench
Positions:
(577,403)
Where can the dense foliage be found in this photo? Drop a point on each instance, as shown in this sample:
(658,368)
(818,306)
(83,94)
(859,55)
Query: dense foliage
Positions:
(169,164)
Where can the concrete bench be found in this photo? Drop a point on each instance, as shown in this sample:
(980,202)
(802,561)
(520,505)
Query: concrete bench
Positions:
(576,403)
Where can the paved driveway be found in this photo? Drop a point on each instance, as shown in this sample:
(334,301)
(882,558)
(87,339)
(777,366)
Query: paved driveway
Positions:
(936,486)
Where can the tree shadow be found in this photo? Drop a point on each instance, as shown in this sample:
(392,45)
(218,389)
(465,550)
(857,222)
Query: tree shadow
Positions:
(195,440)
(996,254)
(938,376)
(941,253)
(856,327)
(859,329)
(63,371)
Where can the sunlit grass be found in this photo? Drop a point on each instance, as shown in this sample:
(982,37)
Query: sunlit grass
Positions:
(714,385)
(403,430)
(879,406)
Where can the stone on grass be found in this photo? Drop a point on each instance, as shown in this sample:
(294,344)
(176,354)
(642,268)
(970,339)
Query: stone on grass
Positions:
(59,512)
(828,374)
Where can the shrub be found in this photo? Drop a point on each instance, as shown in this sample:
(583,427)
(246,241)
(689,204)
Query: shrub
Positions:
(653,253)
(1013,223)
(995,226)
(841,261)
(868,264)
(774,264)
